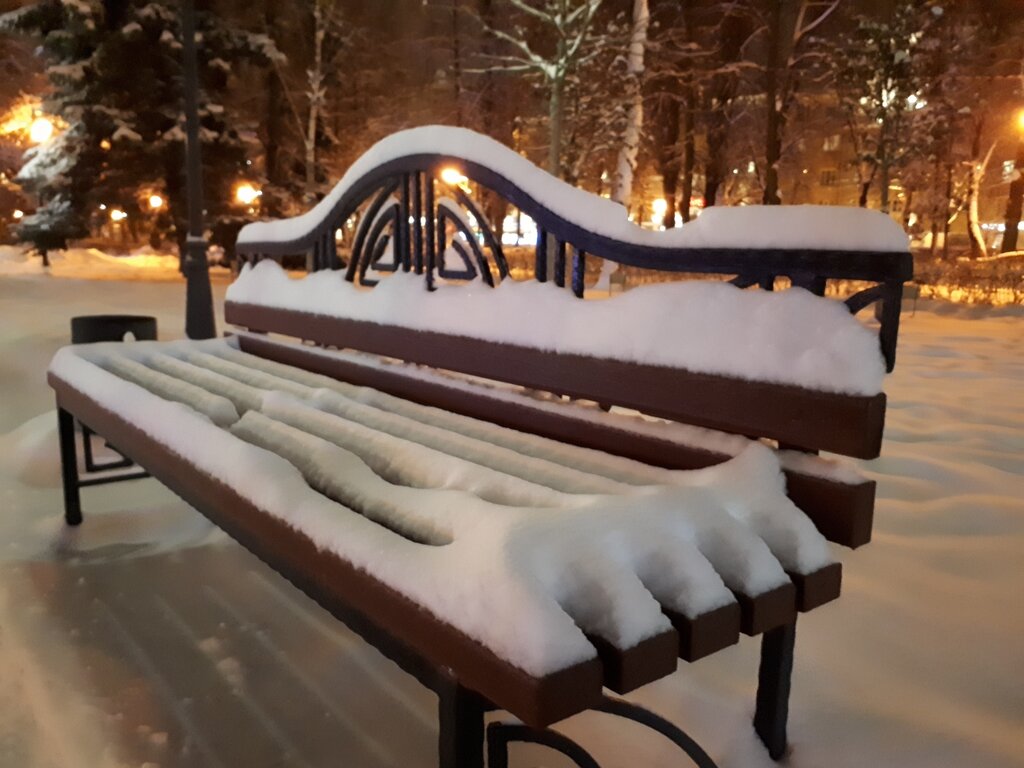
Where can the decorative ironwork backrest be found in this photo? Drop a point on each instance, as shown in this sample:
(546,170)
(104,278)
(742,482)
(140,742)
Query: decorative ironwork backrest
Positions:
(402,214)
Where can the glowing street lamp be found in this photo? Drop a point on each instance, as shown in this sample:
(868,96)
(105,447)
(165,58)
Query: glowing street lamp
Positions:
(41,130)
(156,202)
(453,176)
(246,193)
(117,215)
(18,214)
(659,208)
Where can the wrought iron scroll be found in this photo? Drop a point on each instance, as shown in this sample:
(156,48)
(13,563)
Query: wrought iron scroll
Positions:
(421,228)
(500,735)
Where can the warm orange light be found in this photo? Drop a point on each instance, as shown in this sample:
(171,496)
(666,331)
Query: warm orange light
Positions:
(156,202)
(246,193)
(1020,120)
(41,130)
(453,176)
(118,215)
(17,214)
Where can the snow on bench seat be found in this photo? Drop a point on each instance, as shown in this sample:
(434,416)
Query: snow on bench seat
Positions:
(837,497)
(573,568)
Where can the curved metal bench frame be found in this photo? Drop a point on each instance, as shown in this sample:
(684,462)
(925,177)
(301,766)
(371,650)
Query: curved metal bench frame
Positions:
(418,234)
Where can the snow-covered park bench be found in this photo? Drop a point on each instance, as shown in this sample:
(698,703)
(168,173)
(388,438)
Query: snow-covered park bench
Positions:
(414,439)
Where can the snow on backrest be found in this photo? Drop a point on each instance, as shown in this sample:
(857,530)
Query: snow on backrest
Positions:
(787,337)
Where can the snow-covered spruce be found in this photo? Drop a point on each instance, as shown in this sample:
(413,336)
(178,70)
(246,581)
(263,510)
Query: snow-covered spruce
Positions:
(796,227)
(789,337)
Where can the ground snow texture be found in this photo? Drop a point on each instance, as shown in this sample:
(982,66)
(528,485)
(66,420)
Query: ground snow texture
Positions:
(146,638)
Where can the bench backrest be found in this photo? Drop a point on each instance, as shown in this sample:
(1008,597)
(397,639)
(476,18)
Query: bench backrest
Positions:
(399,208)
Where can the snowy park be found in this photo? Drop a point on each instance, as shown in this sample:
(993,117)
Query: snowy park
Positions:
(594,383)
(147,637)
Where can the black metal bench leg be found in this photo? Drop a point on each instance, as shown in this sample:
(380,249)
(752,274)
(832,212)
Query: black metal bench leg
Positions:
(461,719)
(773,683)
(69,467)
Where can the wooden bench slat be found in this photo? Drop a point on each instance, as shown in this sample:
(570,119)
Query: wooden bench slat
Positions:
(842,512)
(707,633)
(366,605)
(815,589)
(846,424)
(647,661)
(768,610)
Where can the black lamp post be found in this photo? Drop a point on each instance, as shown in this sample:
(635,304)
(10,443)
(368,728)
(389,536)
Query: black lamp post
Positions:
(199,321)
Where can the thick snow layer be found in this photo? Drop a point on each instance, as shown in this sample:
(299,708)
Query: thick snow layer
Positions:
(915,666)
(94,264)
(750,487)
(811,227)
(583,553)
(588,559)
(835,469)
(790,337)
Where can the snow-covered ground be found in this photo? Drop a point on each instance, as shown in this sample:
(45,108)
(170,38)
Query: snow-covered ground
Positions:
(147,638)
(94,264)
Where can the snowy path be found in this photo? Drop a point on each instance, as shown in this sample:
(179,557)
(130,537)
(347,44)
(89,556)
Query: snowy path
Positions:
(148,638)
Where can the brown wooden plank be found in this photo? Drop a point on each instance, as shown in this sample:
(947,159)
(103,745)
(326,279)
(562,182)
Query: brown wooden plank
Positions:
(647,661)
(845,424)
(817,588)
(768,610)
(843,512)
(363,603)
(707,633)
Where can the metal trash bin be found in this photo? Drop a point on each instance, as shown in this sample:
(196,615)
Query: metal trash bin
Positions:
(87,329)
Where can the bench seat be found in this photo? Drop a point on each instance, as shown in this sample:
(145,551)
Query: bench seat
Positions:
(267,421)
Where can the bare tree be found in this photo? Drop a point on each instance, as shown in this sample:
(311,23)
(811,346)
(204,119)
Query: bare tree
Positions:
(789,25)
(567,27)
(622,182)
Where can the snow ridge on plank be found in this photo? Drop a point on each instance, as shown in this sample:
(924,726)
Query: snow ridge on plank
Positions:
(787,337)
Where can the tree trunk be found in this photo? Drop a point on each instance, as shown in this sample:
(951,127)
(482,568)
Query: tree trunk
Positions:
(714,170)
(974,232)
(622,185)
(555,108)
(777,55)
(271,200)
(668,156)
(1015,202)
(883,168)
(689,97)
(907,209)
(865,189)
(456,63)
(316,96)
